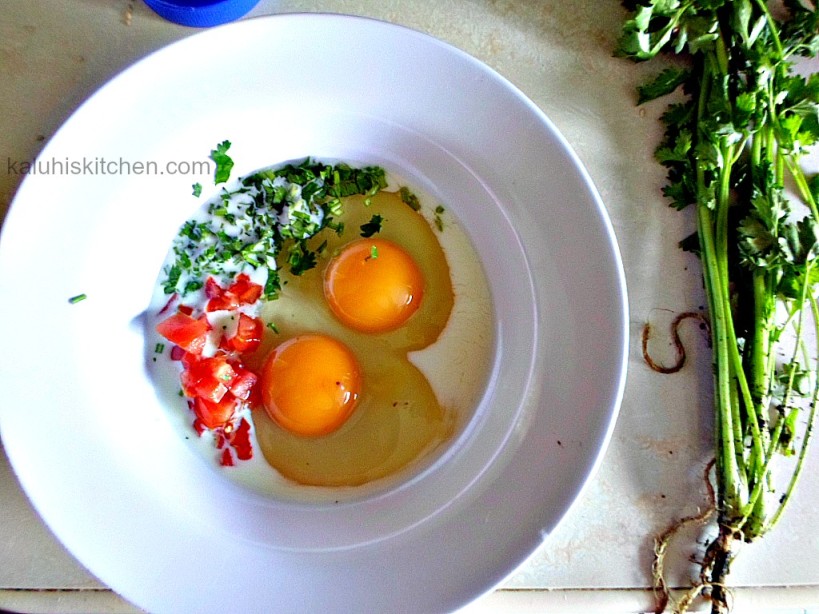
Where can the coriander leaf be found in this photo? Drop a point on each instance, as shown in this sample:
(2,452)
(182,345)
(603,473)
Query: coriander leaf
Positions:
(664,83)
(197,189)
(224,163)
(409,199)
(372,227)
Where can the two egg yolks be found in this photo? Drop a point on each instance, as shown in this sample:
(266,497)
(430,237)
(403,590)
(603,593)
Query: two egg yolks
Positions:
(310,384)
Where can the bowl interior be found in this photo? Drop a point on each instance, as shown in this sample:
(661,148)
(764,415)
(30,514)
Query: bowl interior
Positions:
(280,89)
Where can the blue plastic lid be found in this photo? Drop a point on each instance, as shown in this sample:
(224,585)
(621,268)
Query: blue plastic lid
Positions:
(201,13)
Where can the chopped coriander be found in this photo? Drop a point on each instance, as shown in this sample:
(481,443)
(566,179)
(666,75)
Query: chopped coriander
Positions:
(224,163)
(373,252)
(272,286)
(273,327)
(159,348)
(439,220)
(197,189)
(266,222)
(372,227)
(76,299)
(409,199)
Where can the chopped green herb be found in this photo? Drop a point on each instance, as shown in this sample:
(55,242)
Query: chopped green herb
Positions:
(160,347)
(439,220)
(273,327)
(373,252)
(76,299)
(266,222)
(224,163)
(409,199)
(272,286)
(197,189)
(372,227)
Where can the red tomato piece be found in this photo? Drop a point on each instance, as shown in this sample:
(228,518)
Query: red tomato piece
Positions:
(188,333)
(245,291)
(248,335)
(208,378)
(169,304)
(213,415)
(226,301)
(240,441)
(226,459)
(242,385)
(212,288)
(210,389)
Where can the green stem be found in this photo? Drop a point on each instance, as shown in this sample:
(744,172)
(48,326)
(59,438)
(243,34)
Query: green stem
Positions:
(773,27)
(803,452)
(802,184)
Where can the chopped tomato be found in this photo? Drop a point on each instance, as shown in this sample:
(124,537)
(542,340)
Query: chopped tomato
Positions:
(185,331)
(212,288)
(248,335)
(226,460)
(240,441)
(208,378)
(241,292)
(213,415)
(169,304)
(243,383)
(245,291)
(225,301)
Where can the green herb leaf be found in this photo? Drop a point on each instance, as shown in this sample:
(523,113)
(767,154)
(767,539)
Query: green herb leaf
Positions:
(664,83)
(372,227)
(224,163)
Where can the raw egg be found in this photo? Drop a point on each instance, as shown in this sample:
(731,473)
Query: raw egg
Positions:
(310,384)
(373,285)
(371,362)
(383,297)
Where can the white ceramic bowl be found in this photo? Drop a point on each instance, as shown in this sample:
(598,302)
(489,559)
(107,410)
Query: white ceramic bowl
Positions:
(81,421)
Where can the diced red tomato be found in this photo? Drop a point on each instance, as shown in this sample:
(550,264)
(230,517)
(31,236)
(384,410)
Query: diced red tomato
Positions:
(197,424)
(177,353)
(248,335)
(241,292)
(186,309)
(226,460)
(243,383)
(240,441)
(212,288)
(213,415)
(169,304)
(245,290)
(208,378)
(226,301)
(185,331)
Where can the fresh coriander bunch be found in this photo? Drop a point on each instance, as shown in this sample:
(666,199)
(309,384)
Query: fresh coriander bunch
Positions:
(733,149)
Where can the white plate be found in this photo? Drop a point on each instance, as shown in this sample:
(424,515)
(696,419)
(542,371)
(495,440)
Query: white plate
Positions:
(81,422)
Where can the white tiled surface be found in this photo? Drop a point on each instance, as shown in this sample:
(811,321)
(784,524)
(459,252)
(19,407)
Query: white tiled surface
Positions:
(54,53)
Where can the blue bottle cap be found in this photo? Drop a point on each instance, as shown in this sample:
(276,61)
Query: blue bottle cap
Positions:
(201,13)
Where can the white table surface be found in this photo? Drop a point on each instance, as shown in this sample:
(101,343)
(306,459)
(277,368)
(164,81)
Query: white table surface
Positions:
(55,53)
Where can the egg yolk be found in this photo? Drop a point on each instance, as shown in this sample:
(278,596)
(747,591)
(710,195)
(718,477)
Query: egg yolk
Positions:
(373,285)
(310,384)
